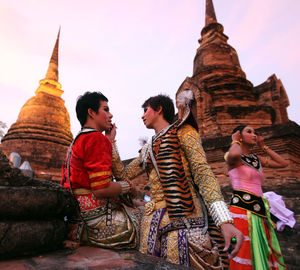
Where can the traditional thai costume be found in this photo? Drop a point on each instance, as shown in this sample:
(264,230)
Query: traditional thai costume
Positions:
(104,222)
(250,211)
(174,225)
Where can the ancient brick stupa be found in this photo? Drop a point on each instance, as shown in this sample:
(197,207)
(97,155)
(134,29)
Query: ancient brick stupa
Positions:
(224,96)
(224,99)
(41,134)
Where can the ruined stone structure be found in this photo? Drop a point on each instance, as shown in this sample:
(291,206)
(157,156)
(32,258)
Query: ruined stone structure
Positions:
(224,96)
(32,213)
(42,133)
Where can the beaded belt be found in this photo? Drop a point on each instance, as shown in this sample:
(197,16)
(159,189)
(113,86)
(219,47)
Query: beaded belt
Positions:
(183,223)
(82,191)
(248,201)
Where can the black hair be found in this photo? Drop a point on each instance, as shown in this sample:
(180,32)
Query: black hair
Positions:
(166,104)
(147,188)
(192,121)
(239,128)
(86,101)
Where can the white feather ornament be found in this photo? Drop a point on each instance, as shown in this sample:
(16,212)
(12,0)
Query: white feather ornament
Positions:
(185,98)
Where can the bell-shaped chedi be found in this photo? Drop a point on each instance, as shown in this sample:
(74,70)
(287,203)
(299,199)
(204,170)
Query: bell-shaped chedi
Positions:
(224,99)
(42,133)
(224,96)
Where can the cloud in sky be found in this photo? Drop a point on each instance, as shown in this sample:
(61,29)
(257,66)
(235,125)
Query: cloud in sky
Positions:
(134,49)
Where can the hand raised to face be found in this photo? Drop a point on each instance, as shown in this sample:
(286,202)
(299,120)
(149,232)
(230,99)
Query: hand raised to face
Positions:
(260,141)
(111,133)
(236,136)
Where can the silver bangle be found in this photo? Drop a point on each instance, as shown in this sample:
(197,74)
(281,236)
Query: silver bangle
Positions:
(115,151)
(125,187)
(220,213)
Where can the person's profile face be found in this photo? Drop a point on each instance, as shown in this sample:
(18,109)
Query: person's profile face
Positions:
(249,135)
(149,116)
(103,117)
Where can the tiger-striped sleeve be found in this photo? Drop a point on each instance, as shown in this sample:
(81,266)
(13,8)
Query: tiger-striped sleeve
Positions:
(202,174)
(132,170)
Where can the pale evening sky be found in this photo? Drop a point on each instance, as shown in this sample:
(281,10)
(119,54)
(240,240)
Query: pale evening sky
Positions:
(133,49)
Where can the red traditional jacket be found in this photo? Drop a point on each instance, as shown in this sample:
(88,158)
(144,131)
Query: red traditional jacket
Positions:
(91,162)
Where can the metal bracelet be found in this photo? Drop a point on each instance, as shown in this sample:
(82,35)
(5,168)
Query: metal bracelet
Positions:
(125,187)
(115,151)
(220,213)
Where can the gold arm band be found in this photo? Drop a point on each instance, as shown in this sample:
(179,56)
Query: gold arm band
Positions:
(102,182)
(235,142)
(96,174)
(265,148)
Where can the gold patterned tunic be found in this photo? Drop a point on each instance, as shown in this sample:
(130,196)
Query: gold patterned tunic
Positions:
(174,239)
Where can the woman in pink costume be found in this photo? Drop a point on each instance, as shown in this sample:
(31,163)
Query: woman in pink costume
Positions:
(249,209)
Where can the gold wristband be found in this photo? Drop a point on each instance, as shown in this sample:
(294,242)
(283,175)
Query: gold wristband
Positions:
(265,148)
(226,222)
(235,142)
(267,161)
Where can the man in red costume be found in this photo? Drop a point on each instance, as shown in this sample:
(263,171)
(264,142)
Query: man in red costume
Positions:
(88,175)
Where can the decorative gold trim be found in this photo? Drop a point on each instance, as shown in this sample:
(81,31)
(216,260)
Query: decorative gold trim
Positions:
(82,191)
(93,175)
(102,182)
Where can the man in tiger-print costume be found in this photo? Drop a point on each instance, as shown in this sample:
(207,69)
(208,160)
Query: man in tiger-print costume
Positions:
(183,187)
